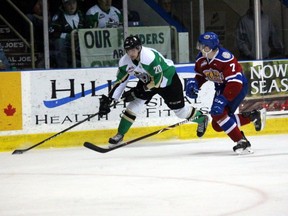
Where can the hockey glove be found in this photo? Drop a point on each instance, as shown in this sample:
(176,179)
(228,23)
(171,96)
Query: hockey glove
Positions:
(218,105)
(104,107)
(192,88)
(129,95)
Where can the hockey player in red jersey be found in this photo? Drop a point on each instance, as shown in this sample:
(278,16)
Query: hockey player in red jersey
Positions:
(217,64)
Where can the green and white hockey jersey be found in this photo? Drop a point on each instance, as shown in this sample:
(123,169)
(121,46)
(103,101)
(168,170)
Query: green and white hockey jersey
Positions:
(96,18)
(152,69)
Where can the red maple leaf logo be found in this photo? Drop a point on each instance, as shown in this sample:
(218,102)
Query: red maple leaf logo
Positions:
(9,111)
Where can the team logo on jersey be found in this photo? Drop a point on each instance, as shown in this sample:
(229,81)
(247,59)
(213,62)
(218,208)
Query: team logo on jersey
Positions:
(130,69)
(101,16)
(214,75)
(226,55)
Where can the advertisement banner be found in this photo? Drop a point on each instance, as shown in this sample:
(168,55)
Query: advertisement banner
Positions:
(61,98)
(56,99)
(10,101)
(268,83)
(53,100)
(104,47)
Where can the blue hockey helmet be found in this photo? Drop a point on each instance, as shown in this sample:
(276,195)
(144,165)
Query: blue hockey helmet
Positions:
(209,39)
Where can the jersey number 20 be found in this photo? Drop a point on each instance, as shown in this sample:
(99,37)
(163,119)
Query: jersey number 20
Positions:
(157,69)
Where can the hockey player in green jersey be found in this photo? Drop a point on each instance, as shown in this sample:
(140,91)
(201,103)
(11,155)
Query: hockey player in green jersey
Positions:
(156,75)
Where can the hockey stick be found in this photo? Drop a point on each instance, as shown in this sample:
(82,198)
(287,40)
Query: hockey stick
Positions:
(21,151)
(104,150)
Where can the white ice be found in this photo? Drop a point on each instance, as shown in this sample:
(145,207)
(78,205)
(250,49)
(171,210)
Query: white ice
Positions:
(176,178)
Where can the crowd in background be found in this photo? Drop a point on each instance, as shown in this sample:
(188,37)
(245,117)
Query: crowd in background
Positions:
(66,15)
(71,15)
(272,46)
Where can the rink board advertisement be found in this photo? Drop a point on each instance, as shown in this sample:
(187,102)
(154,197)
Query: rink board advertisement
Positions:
(97,46)
(10,101)
(54,100)
(63,98)
(268,81)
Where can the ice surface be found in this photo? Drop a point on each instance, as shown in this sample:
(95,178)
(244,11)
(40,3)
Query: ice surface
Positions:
(176,178)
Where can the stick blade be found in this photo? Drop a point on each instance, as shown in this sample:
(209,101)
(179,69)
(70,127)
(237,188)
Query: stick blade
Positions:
(103,150)
(18,151)
(96,148)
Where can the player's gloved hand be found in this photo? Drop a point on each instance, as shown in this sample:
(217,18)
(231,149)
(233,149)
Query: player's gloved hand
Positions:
(104,107)
(218,105)
(192,88)
(129,96)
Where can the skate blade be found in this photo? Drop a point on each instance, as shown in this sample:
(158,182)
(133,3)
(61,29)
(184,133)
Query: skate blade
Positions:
(248,150)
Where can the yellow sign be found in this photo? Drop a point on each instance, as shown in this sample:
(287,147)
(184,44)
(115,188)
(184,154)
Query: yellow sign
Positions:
(10,101)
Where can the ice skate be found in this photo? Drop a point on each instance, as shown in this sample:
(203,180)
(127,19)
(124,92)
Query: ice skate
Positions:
(243,146)
(201,128)
(115,140)
(258,117)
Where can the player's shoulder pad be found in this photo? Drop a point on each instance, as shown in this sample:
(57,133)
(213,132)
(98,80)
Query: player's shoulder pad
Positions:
(224,54)
(147,55)
(124,60)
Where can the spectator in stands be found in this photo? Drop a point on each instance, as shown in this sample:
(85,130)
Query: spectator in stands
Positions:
(4,63)
(166,5)
(36,17)
(133,18)
(68,18)
(104,15)
(272,46)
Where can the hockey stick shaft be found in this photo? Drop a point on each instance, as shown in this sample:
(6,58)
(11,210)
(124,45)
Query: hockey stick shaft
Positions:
(156,132)
(20,151)
(104,150)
